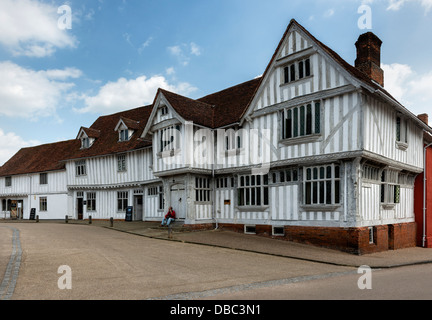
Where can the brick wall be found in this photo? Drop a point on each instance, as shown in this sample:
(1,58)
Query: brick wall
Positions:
(351,240)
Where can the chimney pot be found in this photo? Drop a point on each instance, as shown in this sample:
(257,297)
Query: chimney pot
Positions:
(424,117)
(369,56)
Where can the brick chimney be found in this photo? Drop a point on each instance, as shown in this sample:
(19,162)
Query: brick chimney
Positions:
(424,117)
(369,57)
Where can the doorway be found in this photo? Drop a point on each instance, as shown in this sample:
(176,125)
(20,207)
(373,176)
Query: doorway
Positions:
(178,200)
(138,208)
(80,205)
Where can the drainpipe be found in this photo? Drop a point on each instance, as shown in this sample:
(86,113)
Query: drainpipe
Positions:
(213,181)
(424,194)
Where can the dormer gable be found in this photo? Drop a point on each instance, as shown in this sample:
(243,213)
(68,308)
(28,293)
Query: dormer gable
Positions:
(87,136)
(126,128)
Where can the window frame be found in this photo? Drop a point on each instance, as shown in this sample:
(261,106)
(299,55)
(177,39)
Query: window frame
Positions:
(122,201)
(203,190)
(390,188)
(91,201)
(401,132)
(43,204)
(297,70)
(300,122)
(253,191)
(121,163)
(163,144)
(8,182)
(80,168)
(317,194)
(43,179)
(124,135)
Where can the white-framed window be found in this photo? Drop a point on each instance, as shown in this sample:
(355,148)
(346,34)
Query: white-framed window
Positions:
(161,198)
(124,135)
(170,138)
(390,188)
(91,201)
(121,163)
(164,110)
(152,191)
(401,130)
(322,185)
(122,200)
(297,70)
(80,168)
(8,182)
(43,204)
(285,176)
(371,173)
(43,178)
(233,139)
(85,143)
(224,183)
(372,237)
(301,121)
(253,190)
(202,190)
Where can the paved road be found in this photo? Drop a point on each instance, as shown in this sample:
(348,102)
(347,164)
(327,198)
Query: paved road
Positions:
(107,264)
(405,283)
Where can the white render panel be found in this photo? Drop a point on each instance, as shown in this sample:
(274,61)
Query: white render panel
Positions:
(324,75)
(380,134)
(103,170)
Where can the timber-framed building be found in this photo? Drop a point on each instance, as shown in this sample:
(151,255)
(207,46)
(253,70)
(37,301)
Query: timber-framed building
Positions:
(314,150)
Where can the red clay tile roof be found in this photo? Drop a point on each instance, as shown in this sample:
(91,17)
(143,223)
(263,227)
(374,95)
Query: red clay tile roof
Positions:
(108,141)
(231,103)
(91,133)
(131,124)
(215,110)
(42,158)
(191,110)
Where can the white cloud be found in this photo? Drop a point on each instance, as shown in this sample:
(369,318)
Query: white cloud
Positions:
(397,4)
(10,143)
(170,71)
(195,49)
(184,51)
(411,89)
(125,94)
(329,13)
(26,93)
(30,28)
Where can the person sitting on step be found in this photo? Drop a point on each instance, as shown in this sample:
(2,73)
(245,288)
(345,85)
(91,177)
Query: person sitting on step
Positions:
(169,217)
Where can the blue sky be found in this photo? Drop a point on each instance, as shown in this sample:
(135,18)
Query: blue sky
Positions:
(118,52)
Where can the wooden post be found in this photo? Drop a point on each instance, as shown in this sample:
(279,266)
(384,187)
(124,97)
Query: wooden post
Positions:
(90,219)
(66,219)
(111,222)
(37,219)
(169,232)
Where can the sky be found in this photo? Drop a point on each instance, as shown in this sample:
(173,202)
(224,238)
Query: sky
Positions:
(65,63)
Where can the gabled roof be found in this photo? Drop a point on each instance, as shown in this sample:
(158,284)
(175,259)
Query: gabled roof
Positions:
(215,110)
(91,133)
(364,79)
(38,159)
(231,103)
(189,109)
(129,123)
(108,140)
